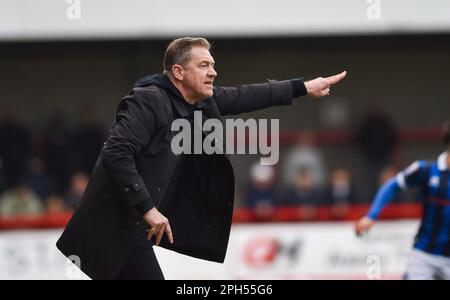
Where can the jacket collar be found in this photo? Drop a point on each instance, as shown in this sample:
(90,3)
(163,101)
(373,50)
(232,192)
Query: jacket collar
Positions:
(181,105)
(442,162)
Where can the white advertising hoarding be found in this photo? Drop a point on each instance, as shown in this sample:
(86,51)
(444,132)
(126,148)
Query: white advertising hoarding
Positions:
(256,251)
(319,251)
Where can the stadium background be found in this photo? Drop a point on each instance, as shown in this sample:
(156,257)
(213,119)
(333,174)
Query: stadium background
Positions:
(62,77)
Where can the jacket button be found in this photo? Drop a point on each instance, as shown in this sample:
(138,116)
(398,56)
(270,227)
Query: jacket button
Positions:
(137,223)
(127,189)
(158,189)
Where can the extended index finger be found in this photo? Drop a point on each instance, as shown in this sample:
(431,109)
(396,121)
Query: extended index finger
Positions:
(169,233)
(336,78)
(159,234)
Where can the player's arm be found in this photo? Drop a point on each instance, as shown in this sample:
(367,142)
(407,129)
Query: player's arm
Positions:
(384,195)
(411,177)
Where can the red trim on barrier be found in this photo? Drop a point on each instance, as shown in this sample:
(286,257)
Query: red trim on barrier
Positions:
(242,215)
(327,213)
(336,137)
(41,221)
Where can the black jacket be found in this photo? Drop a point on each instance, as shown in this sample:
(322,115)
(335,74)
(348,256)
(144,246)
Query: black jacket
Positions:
(137,170)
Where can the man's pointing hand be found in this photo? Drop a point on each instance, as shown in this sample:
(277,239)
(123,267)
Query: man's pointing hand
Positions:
(320,87)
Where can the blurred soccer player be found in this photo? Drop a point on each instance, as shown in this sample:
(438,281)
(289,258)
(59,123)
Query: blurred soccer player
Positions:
(430,258)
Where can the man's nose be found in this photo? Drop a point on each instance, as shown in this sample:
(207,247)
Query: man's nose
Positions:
(212,72)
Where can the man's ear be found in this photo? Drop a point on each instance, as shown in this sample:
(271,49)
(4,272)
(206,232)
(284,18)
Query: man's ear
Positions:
(178,72)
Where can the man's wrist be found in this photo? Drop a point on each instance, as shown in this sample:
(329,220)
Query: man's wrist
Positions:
(144,207)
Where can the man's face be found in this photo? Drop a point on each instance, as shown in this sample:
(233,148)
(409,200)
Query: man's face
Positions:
(199,74)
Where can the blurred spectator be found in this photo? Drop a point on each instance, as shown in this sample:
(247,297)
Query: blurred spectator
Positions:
(55,205)
(15,147)
(38,180)
(260,194)
(377,138)
(2,177)
(20,201)
(341,192)
(77,188)
(386,173)
(57,151)
(88,140)
(304,193)
(304,155)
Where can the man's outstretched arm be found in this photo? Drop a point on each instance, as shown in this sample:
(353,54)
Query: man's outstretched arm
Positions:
(247,98)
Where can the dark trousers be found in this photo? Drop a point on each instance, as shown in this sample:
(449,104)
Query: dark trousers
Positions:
(141,265)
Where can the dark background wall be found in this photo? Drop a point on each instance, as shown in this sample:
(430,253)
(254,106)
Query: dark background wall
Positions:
(408,76)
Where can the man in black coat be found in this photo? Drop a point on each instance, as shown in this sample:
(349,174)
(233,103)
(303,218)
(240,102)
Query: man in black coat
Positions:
(139,184)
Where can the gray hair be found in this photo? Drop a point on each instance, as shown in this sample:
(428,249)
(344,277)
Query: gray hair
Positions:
(179,51)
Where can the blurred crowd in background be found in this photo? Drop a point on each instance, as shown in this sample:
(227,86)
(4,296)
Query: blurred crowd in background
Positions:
(59,61)
(304,179)
(47,170)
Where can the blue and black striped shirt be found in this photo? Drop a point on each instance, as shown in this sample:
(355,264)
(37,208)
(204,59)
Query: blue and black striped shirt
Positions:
(432,178)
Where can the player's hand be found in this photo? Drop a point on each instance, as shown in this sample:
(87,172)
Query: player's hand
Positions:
(158,225)
(320,87)
(363,225)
